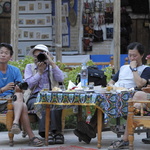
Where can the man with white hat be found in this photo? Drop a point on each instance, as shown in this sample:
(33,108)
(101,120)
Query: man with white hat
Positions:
(44,72)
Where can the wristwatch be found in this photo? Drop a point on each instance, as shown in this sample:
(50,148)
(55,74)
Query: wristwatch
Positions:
(133,69)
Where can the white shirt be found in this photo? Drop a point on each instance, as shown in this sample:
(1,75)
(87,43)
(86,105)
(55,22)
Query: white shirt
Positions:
(126,78)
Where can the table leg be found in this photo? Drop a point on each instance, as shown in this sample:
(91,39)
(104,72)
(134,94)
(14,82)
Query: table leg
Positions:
(47,123)
(79,115)
(99,127)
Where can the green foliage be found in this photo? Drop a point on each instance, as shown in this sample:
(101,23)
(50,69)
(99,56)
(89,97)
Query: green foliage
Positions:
(108,72)
(21,64)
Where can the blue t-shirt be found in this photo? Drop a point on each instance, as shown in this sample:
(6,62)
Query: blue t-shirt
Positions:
(12,74)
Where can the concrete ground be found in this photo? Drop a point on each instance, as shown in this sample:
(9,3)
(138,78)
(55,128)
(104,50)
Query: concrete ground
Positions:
(71,139)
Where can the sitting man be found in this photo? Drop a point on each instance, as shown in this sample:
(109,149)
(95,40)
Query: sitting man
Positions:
(9,75)
(44,71)
(129,76)
(124,143)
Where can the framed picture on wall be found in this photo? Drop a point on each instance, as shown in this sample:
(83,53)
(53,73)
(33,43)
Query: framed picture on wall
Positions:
(22,8)
(65,40)
(30,21)
(65,9)
(20,52)
(31,7)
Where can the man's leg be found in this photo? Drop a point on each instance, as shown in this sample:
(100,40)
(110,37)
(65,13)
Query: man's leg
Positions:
(18,106)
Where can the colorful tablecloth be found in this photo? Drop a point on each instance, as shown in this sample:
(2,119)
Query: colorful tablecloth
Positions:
(112,104)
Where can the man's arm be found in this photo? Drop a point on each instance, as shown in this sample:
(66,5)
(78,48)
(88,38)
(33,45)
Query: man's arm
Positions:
(142,80)
(114,79)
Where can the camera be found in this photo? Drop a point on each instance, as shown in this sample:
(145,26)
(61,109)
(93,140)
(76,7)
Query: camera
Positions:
(41,57)
(22,85)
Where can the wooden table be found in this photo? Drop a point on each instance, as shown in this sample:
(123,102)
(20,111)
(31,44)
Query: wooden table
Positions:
(113,105)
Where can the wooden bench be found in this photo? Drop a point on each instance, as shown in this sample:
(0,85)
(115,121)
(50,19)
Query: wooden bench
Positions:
(7,119)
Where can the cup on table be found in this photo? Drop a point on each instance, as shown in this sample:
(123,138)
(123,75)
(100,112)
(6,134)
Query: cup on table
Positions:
(91,85)
(62,87)
(46,87)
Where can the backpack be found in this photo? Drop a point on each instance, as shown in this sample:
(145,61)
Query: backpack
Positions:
(94,75)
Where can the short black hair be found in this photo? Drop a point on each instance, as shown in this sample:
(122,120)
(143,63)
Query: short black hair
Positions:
(8,46)
(137,46)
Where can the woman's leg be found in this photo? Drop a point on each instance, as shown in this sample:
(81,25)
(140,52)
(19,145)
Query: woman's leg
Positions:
(26,122)
(18,106)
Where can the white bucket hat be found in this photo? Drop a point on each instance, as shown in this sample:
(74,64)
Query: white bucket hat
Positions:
(38,47)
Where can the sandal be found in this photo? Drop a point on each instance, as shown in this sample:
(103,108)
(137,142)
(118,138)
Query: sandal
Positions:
(51,139)
(120,144)
(82,136)
(36,142)
(15,129)
(59,138)
(86,129)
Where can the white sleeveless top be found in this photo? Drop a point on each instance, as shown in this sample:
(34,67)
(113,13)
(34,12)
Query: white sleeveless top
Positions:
(125,78)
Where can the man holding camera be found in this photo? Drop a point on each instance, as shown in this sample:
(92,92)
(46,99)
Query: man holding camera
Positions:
(9,76)
(44,71)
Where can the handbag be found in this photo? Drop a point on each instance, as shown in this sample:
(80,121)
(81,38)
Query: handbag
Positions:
(87,43)
(94,75)
(98,36)
(109,13)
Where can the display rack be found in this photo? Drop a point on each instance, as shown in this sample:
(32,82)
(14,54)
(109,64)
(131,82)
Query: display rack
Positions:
(35,25)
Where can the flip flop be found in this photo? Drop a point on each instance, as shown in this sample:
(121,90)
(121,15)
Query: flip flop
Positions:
(35,143)
(82,137)
(15,129)
(86,129)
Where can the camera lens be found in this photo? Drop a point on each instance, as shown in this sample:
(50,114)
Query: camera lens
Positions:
(41,57)
(22,85)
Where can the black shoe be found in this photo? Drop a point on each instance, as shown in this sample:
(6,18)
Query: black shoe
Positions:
(146,141)
(82,137)
(59,138)
(51,139)
(86,129)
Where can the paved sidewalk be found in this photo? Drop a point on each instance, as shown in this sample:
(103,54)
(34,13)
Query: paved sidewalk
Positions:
(71,139)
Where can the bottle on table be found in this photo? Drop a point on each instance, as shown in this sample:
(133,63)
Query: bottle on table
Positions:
(84,76)
(113,72)
(88,118)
